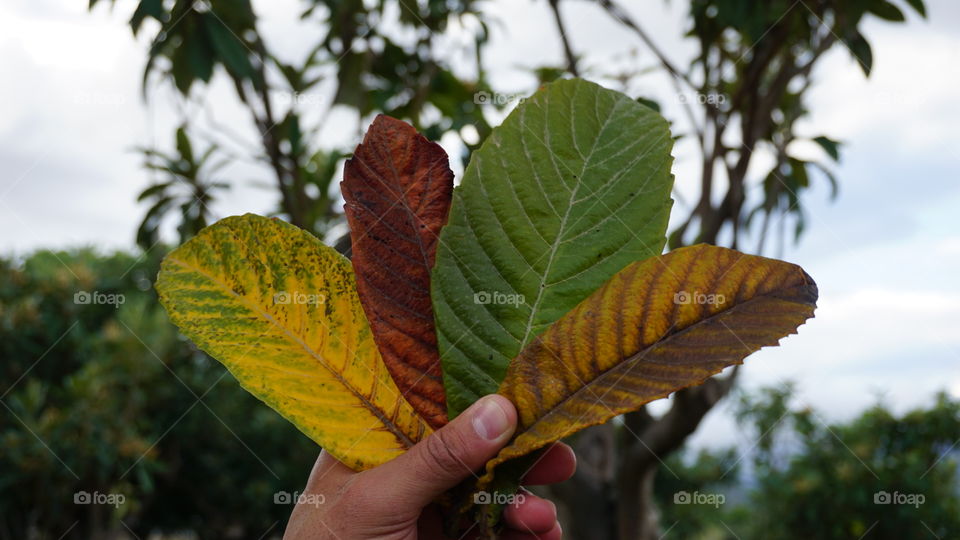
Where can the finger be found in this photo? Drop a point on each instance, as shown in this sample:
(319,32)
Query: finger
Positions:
(557,464)
(448,456)
(554,534)
(531,515)
(517,535)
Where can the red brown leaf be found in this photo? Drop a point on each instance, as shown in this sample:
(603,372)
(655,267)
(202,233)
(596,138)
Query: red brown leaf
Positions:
(397,188)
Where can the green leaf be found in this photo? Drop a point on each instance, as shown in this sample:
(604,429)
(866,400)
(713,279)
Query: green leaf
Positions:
(153,190)
(649,103)
(798,174)
(834,185)
(830,146)
(918,6)
(861,51)
(184,148)
(887,11)
(571,188)
(195,52)
(146,8)
(230,50)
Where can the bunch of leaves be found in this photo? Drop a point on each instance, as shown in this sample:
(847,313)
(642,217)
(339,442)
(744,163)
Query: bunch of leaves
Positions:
(751,74)
(800,475)
(836,472)
(539,277)
(187,183)
(379,56)
(813,478)
(707,472)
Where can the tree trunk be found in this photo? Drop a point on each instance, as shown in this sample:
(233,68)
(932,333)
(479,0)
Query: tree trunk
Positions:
(611,495)
(637,514)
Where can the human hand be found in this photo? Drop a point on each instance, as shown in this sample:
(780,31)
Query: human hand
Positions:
(394,500)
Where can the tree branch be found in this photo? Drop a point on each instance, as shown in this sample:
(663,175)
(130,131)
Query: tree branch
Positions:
(620,14)
(677,76)
(689,408)
(567,49)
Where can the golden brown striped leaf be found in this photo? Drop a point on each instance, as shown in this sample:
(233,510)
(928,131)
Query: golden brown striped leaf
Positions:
(657,326)
(397,189)
(280,310)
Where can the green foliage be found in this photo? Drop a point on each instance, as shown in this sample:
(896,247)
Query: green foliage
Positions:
(112,391)
(750,78)
(374,71)
(879,475)
(186,184)
(708,473)
(830,485)
(751,75)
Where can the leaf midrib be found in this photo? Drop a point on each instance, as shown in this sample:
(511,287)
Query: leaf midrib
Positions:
(409,213)
(640,354)
(558,239)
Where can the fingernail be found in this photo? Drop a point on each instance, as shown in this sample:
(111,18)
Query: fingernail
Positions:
(489,419)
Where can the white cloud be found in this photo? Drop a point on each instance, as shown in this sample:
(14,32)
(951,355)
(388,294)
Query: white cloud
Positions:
(906,96)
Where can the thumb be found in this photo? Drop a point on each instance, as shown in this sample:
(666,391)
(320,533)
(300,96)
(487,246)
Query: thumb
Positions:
(448,456)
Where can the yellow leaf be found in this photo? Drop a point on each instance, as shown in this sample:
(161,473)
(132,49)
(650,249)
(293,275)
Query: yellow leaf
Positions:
(280,310)
(657,326)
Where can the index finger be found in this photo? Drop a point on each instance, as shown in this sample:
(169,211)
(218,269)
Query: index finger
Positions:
(557,464)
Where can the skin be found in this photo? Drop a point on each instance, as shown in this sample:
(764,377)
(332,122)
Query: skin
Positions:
(394,501)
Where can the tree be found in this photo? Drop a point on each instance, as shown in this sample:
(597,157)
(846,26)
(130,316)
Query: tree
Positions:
(749,81)
(103,399)
(742,93)
(887,475)
(193,40)
(878,475)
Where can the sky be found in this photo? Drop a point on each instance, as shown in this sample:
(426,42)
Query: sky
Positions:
(885,254)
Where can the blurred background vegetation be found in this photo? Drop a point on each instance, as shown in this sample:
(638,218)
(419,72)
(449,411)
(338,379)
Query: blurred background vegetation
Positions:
(88,411)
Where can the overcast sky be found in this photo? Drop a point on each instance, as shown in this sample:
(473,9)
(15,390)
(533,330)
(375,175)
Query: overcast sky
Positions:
(886,254)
